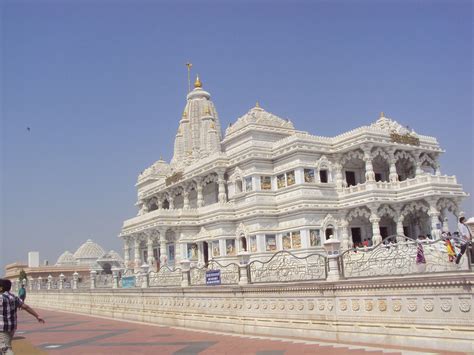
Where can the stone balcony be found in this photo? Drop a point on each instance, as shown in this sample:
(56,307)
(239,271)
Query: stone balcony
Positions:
(409,184)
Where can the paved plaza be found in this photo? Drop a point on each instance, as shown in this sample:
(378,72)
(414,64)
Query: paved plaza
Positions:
(66,333)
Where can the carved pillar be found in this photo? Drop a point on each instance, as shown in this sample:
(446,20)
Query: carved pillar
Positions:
(163,251)
(144,276)
(142,207)
(126,251)
(61,281)
(393,176)
(376,237)
(93,274)
(75,280)
(222,198)
(171,201)
(445,224)
(185,199)
(369,168)
(346,241)
(332,250)
(339,180)
(40,281)
(149,245)
(50,282)
(159,202)
(419,170)
(434,217)
(115,275)
(200,199)
(30,283)
(137,260)
(437,169)
(185,267)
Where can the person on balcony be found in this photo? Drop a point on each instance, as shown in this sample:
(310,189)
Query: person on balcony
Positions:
(465,238)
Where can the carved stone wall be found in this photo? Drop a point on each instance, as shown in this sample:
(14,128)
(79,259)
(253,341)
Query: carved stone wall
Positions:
(420,311)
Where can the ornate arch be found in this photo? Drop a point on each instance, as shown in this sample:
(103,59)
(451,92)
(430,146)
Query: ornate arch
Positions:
(362,212)
(323,162)
(378,151)
(354,154)
(386,210)
(414,207)
(402,154)
(236,175)
(329,220)
(448,204)
(241,230)
(425,159)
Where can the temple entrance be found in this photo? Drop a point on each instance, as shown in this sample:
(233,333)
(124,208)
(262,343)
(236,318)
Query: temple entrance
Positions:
(384,232)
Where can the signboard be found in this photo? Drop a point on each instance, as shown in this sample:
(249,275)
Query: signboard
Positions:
(404,139)
(213,277)
(128,281)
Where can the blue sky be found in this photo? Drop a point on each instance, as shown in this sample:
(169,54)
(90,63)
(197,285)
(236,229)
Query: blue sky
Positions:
(102,85)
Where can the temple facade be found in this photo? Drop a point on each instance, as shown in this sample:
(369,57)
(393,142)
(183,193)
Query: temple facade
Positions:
(265,186)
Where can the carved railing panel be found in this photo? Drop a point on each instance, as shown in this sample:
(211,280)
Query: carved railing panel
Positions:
(165,277)
(229,273)
(397,255)
(286,267)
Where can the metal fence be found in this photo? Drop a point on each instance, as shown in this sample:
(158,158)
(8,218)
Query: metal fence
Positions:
(230,273)
(284,266)
(400,255)
(165,277)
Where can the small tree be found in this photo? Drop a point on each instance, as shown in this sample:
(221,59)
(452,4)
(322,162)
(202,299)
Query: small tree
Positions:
(23,276)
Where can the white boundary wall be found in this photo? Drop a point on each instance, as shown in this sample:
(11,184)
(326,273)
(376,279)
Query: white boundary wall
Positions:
(429,312)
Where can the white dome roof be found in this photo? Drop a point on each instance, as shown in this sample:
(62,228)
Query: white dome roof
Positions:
(260,117)
(66,258)
(89,250)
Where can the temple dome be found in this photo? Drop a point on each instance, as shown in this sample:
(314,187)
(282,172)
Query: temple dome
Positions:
(392,126)
(88,252)
(258,116)
(66,258)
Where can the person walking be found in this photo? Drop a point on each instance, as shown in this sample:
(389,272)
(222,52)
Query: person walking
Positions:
(22,293)
(465,237)
(8,316)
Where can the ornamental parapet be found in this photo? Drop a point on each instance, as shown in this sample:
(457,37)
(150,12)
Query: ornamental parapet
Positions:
(403,185)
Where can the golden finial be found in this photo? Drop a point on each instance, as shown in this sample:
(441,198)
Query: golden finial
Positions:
(212,125)
(189,65)
(207,111)
(257,105)
(382,114)
(185,113)
(197,83)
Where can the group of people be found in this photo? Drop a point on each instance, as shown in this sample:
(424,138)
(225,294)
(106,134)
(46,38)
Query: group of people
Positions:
(10,304)
(462,239)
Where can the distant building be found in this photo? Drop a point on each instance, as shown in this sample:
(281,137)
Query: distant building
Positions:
(89,256)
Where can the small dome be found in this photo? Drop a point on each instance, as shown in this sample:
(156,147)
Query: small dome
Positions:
(66,258)
(88,252)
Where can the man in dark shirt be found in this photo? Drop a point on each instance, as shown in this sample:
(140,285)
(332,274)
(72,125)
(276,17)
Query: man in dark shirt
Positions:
(8,320)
